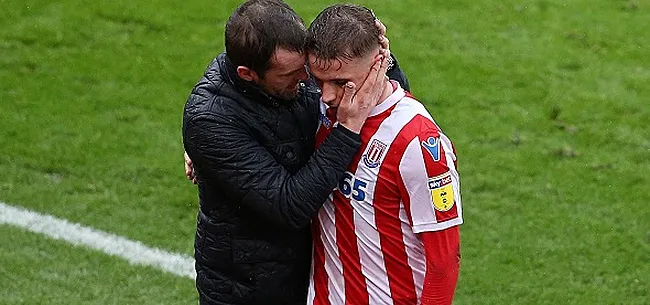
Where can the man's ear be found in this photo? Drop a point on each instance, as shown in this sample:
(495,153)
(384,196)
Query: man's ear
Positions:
(247,74)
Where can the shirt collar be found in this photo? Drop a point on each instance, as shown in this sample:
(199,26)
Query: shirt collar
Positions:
(390,101)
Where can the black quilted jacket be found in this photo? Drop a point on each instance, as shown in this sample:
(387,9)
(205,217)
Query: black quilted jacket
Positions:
(260,183)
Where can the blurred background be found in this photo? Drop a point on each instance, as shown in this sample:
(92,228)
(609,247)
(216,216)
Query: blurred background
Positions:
(547,101)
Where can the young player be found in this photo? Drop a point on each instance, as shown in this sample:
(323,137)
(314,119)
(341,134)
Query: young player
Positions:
(389,233)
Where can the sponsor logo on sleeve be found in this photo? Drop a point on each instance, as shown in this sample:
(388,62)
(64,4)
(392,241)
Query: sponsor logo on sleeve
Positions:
(442,192)
(374,153)
(433,147)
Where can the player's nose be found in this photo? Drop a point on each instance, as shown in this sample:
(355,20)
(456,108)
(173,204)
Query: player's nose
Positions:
(328,93)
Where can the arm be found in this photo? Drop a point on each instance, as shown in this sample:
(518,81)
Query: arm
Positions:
(225,156)
(431,189)
(442,250)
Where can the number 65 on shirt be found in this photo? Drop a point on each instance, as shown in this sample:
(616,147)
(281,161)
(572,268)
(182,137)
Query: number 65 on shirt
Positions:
(352,187)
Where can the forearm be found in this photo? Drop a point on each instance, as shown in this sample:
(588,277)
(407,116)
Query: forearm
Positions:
(442,250)
(302,194)
(226,157)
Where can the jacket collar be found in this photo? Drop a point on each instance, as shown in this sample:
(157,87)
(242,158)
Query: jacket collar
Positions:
(250,89)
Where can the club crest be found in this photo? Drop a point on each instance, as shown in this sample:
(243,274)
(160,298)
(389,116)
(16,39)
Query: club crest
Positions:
(433,147)
(374,153)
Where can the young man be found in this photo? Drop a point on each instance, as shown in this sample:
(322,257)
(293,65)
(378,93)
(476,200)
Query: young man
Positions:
(389,233)
(249,127)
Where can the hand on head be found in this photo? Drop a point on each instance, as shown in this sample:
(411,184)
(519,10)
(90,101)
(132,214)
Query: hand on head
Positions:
(383,40)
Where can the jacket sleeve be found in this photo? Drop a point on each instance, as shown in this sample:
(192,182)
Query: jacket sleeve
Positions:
(396,73)
(226,156)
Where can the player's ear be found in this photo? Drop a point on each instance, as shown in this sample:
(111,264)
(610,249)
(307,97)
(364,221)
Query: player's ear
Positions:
(247,74)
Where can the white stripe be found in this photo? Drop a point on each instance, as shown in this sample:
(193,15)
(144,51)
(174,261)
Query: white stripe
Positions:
(333,264)
(414,252)
(311,293)
(134,252)
(370,253)
(414,173)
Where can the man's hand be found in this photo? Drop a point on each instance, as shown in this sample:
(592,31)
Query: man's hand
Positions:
(189,169)
(383,40)
(358,102)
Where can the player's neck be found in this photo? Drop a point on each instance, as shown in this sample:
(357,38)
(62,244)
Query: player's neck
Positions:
(388,90)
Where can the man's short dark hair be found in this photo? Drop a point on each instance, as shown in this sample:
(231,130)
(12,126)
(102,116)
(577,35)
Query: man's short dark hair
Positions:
(257,28)
(342,31)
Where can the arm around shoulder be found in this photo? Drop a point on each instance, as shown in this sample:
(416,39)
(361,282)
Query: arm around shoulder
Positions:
(224,154)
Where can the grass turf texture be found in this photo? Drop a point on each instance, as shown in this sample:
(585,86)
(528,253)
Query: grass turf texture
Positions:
(546,101)
(38,270)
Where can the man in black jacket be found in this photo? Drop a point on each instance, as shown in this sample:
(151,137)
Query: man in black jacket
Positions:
(249,127)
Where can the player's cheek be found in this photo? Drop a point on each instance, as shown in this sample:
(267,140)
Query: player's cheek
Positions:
(339,94)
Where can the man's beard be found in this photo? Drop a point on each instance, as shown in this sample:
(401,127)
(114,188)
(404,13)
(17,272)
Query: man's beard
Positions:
(286,95)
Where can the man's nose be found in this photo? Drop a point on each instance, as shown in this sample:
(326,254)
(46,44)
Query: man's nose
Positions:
(328,93)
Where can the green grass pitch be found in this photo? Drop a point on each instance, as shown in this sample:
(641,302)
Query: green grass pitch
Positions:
(547,101)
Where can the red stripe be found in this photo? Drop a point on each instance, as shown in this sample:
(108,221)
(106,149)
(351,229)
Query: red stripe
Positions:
(323,130)
(433,168)
(356,288)
(346,241)
(453,148)
(399,272)
(387,193)
(409,95)
(409,134)
(321,288)
(436,169)
(322,133)
(320,275)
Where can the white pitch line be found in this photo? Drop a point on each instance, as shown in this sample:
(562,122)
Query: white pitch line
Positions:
(134,252)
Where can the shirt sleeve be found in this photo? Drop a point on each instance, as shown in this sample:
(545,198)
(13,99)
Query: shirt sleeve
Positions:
(430,183)
(442,250)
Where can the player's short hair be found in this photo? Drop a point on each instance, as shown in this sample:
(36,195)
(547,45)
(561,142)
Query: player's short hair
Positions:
(257,28)
(342,31)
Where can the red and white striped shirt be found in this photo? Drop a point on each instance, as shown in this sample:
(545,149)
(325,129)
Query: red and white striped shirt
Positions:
(402,182)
